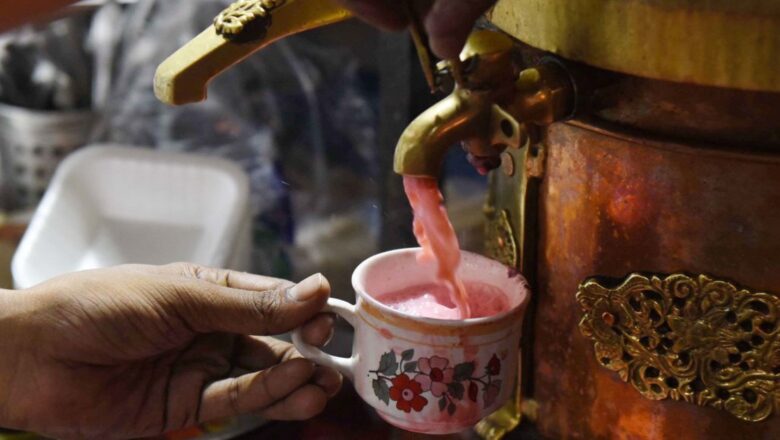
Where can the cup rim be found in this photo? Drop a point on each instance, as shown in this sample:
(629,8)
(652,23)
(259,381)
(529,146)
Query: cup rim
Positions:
(360,291)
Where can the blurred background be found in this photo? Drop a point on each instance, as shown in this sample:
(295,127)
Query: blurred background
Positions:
(312,120)
(311,123)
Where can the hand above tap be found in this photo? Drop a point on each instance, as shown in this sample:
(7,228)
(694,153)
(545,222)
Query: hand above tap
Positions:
(17,13)
(447,22)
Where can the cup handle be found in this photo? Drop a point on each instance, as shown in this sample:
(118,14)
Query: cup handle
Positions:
(345,366)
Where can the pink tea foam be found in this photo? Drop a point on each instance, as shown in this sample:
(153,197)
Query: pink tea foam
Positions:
(434,301)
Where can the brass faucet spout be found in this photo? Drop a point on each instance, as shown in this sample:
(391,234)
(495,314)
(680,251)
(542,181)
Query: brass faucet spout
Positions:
(244,28)
(460,116)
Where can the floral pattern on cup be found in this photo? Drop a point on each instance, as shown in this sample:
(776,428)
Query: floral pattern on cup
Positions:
(407,381)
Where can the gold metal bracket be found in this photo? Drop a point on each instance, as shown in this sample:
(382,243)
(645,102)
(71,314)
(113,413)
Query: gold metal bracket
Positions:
(509,235)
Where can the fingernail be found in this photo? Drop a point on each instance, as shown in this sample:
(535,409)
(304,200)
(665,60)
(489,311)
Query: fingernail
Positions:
(306,289)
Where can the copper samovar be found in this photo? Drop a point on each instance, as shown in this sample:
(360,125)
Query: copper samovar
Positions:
(637,186)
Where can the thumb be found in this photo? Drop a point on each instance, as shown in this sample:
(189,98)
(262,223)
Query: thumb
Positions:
(271,309)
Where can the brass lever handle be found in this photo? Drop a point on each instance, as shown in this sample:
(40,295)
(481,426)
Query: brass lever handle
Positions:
(420,40)
(433,74)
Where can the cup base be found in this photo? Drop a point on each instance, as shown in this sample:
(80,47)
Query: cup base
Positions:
(436,428)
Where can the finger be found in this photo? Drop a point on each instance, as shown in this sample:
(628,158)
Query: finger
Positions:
(328,379)
(255,391)
(224,277)
(319,331)
(450,22)
(385,14)
(258,352)
(205,359)
(304,403)
(206,307)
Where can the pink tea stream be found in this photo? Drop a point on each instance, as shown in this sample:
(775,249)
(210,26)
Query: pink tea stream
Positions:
(438,241)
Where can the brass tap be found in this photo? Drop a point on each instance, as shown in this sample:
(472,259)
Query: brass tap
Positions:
(488,109)
(242,29)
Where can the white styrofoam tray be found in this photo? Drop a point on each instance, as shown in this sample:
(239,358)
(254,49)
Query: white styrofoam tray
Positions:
(109,205)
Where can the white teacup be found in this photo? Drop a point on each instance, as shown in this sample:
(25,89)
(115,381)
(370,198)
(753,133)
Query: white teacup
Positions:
(428,375)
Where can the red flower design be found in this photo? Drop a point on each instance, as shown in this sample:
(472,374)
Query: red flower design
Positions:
(494,366)
(434,375)
(473,391)
(406,393)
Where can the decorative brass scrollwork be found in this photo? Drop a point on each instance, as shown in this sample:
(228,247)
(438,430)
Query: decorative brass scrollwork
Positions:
(693,339)
(237,17)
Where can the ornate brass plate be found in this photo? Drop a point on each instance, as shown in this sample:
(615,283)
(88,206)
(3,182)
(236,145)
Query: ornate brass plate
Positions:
(244,15)
(693,339)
